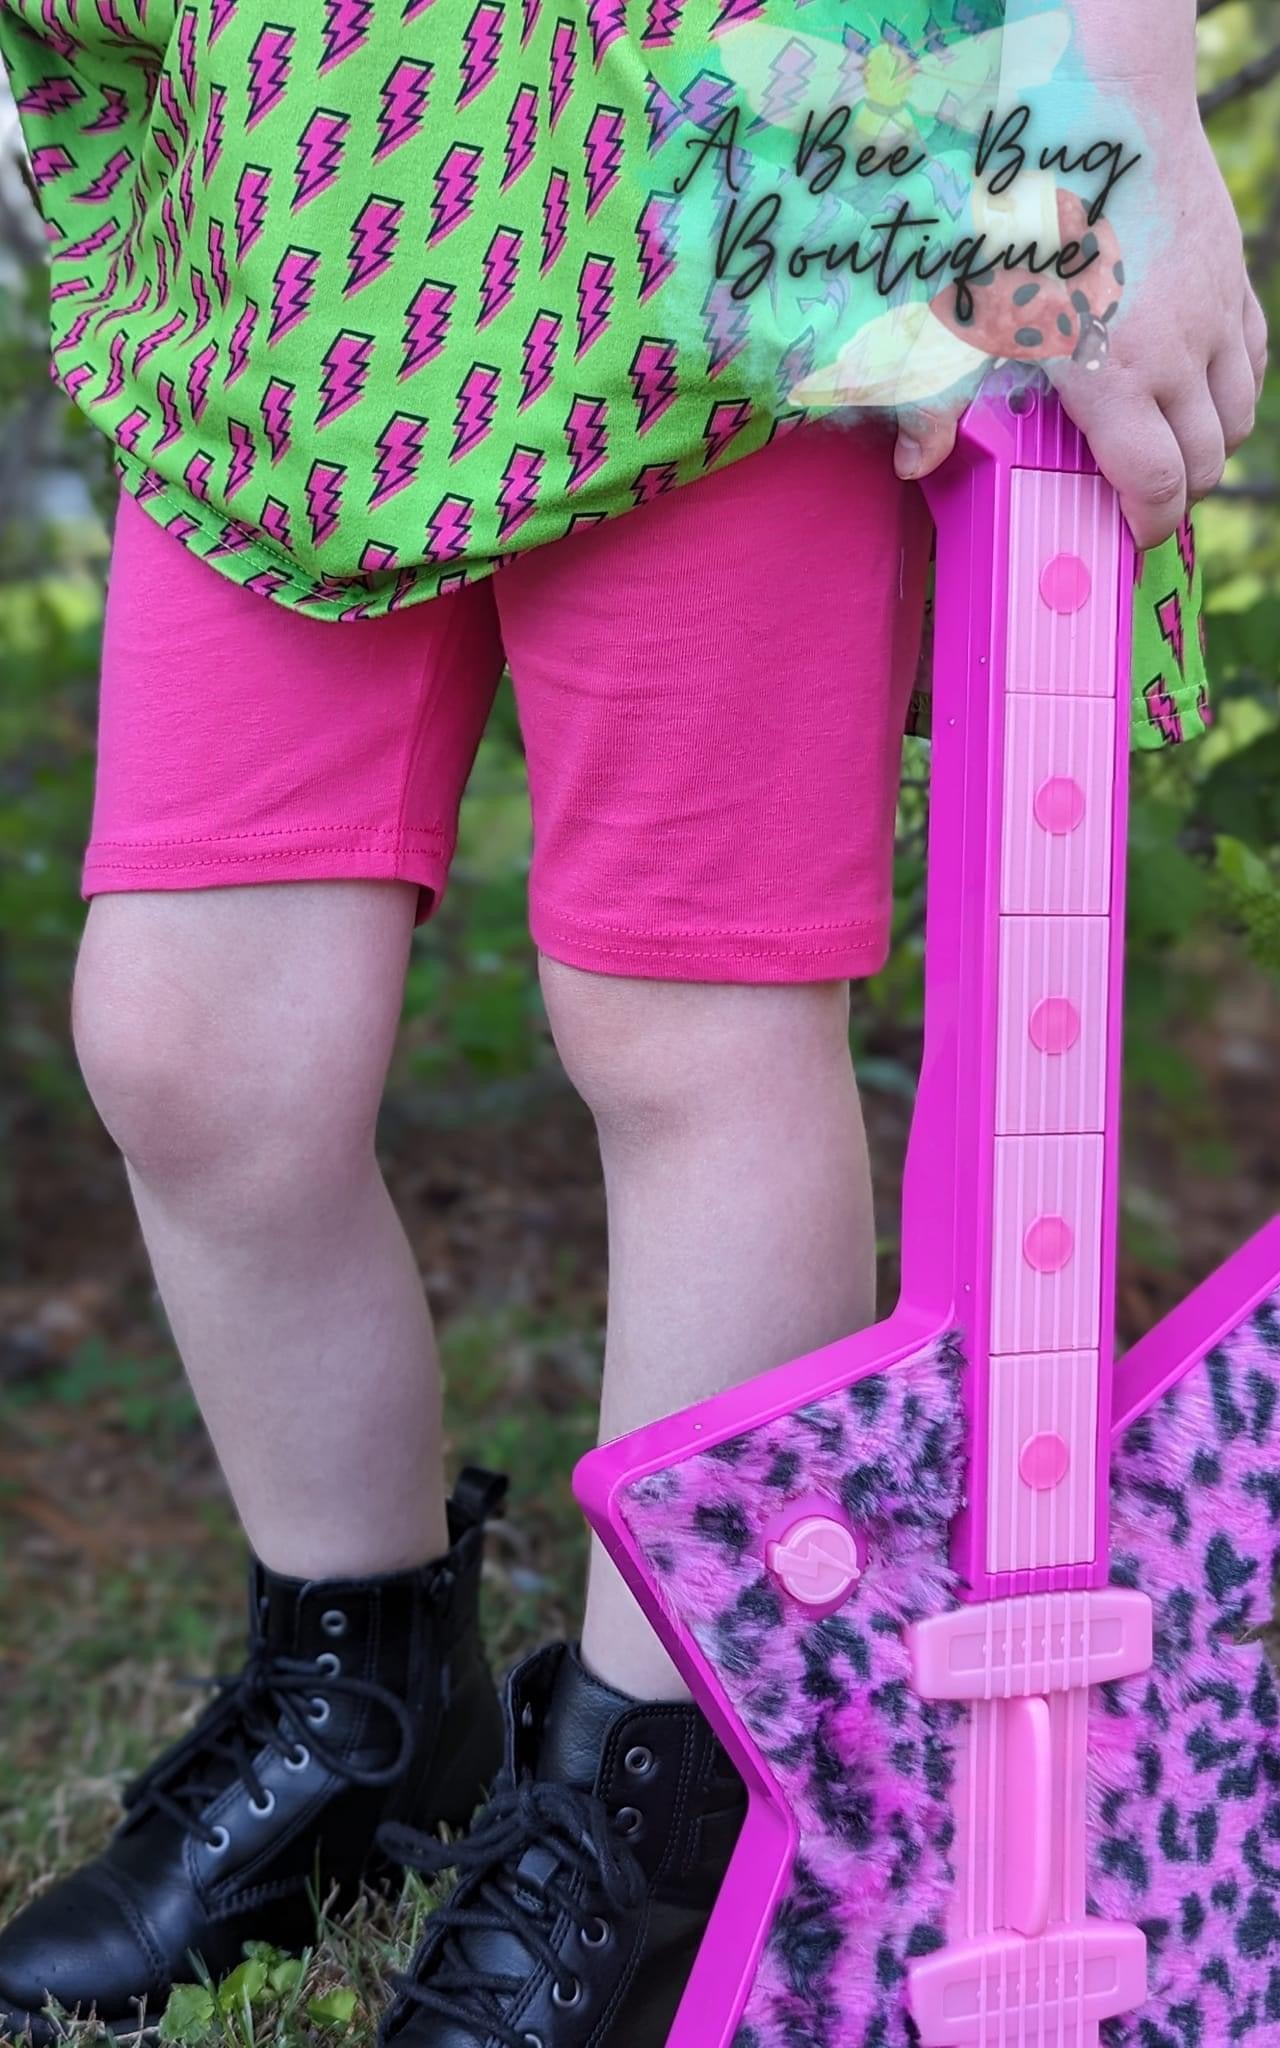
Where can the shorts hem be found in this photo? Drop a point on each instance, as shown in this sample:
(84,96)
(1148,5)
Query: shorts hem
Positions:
(829,953)
(111,868)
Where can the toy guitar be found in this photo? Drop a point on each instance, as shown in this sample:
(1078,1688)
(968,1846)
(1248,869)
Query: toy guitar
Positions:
(972,1604)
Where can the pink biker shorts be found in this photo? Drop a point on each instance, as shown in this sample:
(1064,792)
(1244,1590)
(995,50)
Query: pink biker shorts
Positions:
(711,688)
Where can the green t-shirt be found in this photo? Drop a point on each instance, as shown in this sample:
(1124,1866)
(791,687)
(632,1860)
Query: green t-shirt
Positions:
(371,298)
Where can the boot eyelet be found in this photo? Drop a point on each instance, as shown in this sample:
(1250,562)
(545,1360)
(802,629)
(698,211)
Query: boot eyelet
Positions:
(639,1761)
(574,1997)
(533,2041)
(221,1841)
(333,1621)
(596,1934)
(299,1760)
(267,1808)
(330,1664)
(318,1713)
(526,1721)
(628,1820)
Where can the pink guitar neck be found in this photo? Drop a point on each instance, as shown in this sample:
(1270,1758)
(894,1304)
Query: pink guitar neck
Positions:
(1026,909)
(1025,945)
(884,1568)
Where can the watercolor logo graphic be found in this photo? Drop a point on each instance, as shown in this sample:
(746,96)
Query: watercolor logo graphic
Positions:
(878,216)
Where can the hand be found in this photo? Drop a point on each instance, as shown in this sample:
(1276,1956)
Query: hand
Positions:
(1179,391)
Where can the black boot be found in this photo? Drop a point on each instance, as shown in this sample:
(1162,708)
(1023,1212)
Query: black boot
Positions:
(361,1701)
(586,1883)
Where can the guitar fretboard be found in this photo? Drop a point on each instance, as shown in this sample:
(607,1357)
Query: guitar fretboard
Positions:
(1027,871)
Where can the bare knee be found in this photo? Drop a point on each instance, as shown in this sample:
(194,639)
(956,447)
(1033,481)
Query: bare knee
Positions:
(210,1088)
(648,1056)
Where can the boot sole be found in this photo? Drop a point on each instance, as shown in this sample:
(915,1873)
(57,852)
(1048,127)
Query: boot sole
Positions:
(381,1874)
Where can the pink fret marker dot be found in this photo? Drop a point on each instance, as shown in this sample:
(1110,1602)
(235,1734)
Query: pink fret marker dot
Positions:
(1048,1244)
(1059,805)
(1044,1462)
(1054,1026)
(1065,584)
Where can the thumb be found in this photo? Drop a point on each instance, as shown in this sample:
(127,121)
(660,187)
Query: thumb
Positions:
(924,442)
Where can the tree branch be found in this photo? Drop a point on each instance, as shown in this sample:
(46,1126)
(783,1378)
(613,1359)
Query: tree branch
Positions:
(1249,494)
(1251,79)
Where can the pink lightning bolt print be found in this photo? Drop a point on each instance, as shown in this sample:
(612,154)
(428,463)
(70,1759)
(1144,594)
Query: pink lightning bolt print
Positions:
(403,97)
(1169,616)
(500,271)
(324,487)
(238,348)
(400,446)
(1162,710)
(448,528)
(539,361)
(603,155)
(522,134)
(374,234)
(518,494)
(456,179)
(277,417)
(477,403)
(406,290)
(653,378)
(269,62)
(596,286)
(482,43)
(293,286)
(586,438)
(240,467)
(426,325)
(344,374)
(320,149)
(346,30)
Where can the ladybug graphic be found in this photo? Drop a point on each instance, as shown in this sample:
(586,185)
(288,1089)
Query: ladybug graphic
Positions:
(1024,316)
(915,353)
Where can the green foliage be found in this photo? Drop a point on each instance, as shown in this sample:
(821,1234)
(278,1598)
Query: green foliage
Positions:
(266,1998)
(136,1395)
(1248,890)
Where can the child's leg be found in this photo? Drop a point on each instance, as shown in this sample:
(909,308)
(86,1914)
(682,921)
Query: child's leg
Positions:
(235,1042)
(713,705)
(276,802)
(740,1224)
(712,692)
(236,1038)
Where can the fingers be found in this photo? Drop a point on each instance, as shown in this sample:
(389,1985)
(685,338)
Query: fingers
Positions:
(1198,430)
(1140,455)
(1237,373)
(1234,390)
(1255,337)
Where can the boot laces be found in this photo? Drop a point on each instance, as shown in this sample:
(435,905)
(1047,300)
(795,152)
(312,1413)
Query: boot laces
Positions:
(493,1895)
(259,1707)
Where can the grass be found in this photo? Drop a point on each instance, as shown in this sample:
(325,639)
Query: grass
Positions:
(96,1646)
(335,1989)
